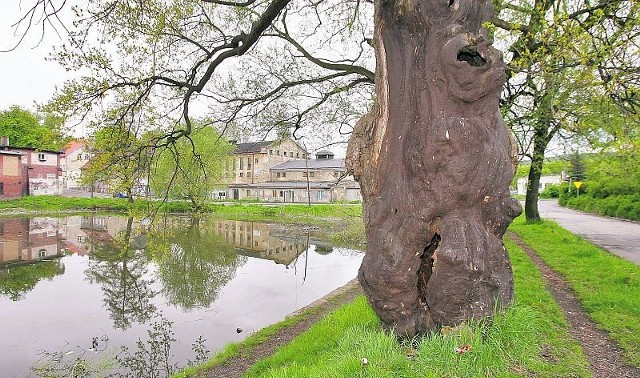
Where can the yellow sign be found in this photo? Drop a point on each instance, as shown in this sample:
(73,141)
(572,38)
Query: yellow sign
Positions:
(578,184)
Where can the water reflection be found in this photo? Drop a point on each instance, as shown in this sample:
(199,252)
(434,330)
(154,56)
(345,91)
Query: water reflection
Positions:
(72,280)
(194,262)
(25,242)
(121,271)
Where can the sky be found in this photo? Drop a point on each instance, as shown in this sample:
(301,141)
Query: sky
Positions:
(26,78)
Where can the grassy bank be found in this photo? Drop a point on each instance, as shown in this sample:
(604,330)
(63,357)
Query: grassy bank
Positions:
(607,286)
(528,339)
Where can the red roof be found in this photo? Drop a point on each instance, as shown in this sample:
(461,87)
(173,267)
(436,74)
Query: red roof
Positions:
(73,146)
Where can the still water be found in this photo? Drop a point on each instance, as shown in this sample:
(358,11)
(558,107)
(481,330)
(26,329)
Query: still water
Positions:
(86,286)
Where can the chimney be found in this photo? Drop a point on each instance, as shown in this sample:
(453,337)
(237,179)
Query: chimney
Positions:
(4,141)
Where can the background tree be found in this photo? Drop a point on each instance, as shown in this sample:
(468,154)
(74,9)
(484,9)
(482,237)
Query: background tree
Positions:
(577,168)
(27,129)
(564,58)
(191,167)
(120,159)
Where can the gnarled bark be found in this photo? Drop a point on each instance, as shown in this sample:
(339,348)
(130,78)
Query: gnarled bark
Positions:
(434,160)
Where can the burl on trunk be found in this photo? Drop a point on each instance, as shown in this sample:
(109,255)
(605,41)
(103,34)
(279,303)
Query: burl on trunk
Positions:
(434,160)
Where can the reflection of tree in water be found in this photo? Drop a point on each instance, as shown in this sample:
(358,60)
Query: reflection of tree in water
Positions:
(19,280)
(120,269)
(194,263)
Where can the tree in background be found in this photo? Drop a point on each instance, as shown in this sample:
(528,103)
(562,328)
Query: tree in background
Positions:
(120,159)
(564,58)
(577,168)
(27,129)
(191,167)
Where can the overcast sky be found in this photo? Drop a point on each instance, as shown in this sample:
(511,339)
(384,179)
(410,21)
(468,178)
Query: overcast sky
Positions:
(25,76)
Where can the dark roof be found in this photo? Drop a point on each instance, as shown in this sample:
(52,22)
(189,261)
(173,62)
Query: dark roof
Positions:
(14,153)
(311,164)
(243,148)
(12,148)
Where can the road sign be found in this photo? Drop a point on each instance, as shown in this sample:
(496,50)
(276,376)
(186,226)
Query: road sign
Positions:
(578,184)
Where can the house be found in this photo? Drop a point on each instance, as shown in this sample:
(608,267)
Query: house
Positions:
(545,181)
(40,170)
(252,161)
(75,158)
(320,180)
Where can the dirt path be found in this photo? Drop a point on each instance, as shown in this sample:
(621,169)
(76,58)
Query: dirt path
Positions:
(605,357)
(237,366)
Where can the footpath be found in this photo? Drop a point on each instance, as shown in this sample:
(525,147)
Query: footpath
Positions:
(619,237)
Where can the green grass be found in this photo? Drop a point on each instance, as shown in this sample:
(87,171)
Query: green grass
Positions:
(607,286)
(529,339)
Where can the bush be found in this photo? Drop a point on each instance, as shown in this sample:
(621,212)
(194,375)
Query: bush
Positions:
(553,191)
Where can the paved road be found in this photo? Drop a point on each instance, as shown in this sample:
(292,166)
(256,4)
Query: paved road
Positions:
(619,237)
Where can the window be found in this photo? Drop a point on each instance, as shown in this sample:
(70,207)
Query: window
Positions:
(248,193)
(86,156)
(284,174)
(278,174)
(248,163)
(319,195)
(1,188)
(291,154)
(241,174)
(275,193)
(297,154)
(42,157)
(311,174)
(281,193)
(285,153)
(42,253)
(256,161)
(248,174)
(270,152)
(79,157)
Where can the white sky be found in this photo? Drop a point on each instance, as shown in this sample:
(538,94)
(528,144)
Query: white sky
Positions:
(25,77)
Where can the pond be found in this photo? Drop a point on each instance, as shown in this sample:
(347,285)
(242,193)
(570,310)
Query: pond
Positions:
(87,286)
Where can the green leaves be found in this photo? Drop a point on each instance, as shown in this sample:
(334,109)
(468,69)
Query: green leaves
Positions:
(27,129)
(190,167)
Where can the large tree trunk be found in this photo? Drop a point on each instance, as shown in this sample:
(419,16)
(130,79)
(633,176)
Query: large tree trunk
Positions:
(434,160)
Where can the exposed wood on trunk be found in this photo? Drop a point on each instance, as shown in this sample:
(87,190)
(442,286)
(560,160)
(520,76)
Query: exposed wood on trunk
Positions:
(434,160)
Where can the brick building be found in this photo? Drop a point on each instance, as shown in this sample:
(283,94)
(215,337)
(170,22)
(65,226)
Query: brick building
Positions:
(40,170)
(11,171)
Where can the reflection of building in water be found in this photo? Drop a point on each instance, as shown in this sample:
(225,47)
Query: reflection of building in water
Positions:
(255,238)
(81,231)
(27,240)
